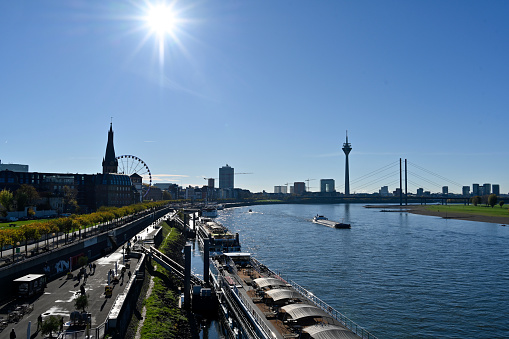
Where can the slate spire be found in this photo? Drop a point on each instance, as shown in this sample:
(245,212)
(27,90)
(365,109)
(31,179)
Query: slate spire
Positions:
(110,162)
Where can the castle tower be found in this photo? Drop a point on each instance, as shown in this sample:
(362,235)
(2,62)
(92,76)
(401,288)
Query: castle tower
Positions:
(110,162)
(347,147)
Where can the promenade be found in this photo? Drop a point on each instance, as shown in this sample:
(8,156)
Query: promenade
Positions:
(58,297)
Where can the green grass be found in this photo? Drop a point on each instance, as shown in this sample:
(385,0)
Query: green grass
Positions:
(163,318)
(19,223)
(496,211)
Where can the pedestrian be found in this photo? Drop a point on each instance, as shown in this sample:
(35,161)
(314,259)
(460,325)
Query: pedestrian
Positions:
(93,266)
(85,276)
(90,267)
(61,324)
(13,334)
(129,275)
(82,289)
(39,322)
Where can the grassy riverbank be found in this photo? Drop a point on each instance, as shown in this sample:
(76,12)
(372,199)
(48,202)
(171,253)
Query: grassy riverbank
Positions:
(497,214)
(163,318)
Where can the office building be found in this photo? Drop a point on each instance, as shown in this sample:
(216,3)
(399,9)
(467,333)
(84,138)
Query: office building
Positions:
(476,190)
(445,190)
(496,189)
(384,191)
(13,167)
(466,191)
(486,189)
(299,188)
(327,186)
(420,192)
(226,175)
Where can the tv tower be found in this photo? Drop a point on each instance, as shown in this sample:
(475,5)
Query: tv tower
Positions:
(347,147)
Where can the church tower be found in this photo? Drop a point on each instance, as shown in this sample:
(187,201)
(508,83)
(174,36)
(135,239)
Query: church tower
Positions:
(110,162)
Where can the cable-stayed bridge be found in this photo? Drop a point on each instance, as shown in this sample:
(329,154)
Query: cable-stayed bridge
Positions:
(394,176)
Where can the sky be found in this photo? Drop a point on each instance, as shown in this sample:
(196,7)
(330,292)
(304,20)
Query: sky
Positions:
(267,87)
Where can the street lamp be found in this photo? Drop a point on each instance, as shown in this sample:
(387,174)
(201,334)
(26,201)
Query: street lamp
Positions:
(123,255)
(80,233)
(54,240)
(17,249)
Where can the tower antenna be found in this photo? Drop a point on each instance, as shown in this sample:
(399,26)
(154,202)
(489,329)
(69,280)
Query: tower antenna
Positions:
(347,147)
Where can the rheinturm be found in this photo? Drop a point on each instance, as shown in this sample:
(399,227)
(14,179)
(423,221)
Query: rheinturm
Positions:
(110,162)
(347,147)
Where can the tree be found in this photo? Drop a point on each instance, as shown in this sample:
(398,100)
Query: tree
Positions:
(6,200)
(501,203)
(492,200)
(25,196)
(50,325)
(70,202)
(476,200)
(81,302)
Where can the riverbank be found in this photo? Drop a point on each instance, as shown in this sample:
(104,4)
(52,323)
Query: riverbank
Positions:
(479,213)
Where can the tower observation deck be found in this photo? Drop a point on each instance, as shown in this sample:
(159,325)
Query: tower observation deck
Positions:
(347,147)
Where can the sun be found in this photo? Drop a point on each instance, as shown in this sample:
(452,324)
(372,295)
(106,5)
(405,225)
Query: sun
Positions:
(161,19)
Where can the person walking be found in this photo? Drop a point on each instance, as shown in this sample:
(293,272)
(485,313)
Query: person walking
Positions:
(13,334)
(85,276)
(61,324)
(39,322)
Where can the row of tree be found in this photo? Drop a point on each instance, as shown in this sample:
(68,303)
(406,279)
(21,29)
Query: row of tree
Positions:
(490,200)
(37,230)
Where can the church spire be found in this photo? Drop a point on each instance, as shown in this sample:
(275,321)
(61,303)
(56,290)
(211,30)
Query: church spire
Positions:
(110,162)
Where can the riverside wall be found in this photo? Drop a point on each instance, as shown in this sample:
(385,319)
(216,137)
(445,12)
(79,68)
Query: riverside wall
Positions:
(57,262)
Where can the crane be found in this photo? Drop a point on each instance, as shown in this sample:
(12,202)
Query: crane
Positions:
(308,180)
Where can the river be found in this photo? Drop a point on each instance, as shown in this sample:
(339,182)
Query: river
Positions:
(396,274)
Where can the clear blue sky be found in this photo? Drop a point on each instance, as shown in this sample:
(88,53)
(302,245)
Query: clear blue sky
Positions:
(268,87)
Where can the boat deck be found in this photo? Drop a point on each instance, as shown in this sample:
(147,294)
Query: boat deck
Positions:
(273,313)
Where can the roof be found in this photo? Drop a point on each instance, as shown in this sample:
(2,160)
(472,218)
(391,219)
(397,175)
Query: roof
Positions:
(298,311)
(265,282)
(237,254)
(281,294)
(29,277)
(325,331)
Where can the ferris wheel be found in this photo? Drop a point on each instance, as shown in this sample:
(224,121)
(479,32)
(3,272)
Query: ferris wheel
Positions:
(130,164)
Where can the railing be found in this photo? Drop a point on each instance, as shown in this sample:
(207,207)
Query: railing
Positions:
(360,331)
(98,332)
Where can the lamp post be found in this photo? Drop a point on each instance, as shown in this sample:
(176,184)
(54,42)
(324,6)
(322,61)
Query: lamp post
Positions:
(123,255)
(54,240)
(80,233)
(17,249)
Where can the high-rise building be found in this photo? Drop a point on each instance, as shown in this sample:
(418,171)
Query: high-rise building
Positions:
(299,187)
(277,189)
(475,190)
(486,189)
(445,190)
(226,175)
(347,147)
(420,192)
(210,182)
(384,191)
(327,185)
(110,162)
(466,191)
(496,189)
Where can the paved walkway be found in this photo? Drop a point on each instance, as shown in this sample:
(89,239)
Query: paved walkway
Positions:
(59,295)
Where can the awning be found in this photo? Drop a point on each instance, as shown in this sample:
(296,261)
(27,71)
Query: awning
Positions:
(281,294)
(325,331)
(265,282)
(298,311)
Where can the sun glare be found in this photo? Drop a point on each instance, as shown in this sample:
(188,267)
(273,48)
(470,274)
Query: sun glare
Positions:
(161,19)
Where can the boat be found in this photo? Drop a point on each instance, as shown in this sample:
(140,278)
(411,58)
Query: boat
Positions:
(209,212)
(256,302)
(321,220)
(221,239)
(250,210)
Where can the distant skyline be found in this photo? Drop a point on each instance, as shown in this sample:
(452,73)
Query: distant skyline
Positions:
(268,87)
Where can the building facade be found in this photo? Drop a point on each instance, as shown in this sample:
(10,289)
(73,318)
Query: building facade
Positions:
(226,177)
(327,186)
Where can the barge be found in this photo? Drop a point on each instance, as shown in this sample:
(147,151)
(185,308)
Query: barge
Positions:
(321,220)
(220,238)
(255,302)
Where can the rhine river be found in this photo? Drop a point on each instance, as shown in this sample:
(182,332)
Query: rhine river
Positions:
(396,274)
